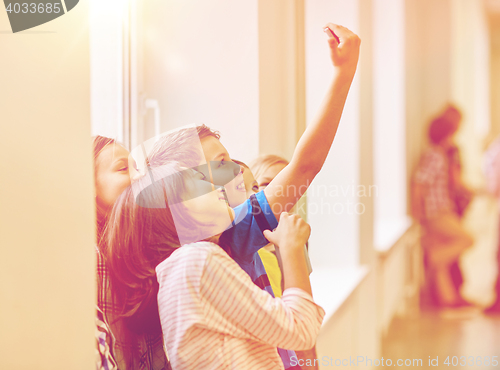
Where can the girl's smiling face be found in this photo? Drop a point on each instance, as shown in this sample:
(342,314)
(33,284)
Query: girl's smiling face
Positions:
(114,172)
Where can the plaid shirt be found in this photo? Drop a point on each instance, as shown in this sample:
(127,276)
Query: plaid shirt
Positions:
(105,359)
(433,173)
(152,357)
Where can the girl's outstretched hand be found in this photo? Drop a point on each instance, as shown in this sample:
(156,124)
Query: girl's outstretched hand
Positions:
(292,232)
(344,47)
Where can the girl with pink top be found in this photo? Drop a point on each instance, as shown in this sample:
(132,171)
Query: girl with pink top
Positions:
(211,314)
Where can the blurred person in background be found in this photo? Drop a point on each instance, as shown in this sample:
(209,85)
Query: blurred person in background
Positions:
(492,173)
(439,199)
(460,194)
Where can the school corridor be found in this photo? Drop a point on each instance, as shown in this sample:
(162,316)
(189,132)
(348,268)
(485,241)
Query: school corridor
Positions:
(256,71)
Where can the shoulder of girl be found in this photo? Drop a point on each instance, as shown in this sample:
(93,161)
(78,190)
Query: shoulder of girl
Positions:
(189,254)
(198,249)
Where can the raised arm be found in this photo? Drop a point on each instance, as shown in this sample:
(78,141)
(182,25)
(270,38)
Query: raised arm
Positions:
(314,145)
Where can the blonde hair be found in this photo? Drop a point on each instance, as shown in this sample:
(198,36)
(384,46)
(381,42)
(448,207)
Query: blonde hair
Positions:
(260,164)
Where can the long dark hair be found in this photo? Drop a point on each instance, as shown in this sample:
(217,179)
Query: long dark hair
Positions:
(142,232)
(99,143)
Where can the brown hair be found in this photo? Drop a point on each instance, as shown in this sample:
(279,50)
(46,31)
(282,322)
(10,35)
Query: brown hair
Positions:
(205,131)
(99,143)
(441,128)
(445,125)
(262,163)
(452,113)
(240,163)
(179,145)
(140,234)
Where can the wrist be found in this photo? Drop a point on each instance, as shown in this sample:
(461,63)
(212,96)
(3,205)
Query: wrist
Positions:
(291,250)
(344,72)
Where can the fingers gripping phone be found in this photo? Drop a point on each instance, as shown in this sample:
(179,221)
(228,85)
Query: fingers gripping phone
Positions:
(330,33)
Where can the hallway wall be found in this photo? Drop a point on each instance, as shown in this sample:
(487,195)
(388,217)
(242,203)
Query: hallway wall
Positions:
(470,83)
(428,61)
(47,255)
(494,27)
(204,74)
(448,61)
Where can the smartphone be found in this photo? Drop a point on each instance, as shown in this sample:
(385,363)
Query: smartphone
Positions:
(330,33)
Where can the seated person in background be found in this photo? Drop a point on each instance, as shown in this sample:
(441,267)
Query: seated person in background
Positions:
(444,237)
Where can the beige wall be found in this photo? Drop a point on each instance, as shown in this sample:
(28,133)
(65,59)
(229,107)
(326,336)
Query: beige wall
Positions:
(351,331)
(201,63)
(447,61)
(428,63)
(366,170)
(389,116)
(47,289)
(494,23)
(470,83)
(281,76)
(333,196)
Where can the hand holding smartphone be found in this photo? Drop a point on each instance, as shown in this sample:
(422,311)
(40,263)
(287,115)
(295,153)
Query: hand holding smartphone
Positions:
(330,33)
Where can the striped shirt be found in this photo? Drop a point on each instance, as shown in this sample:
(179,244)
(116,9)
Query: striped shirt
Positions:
(245,239)
(214,317)
(433,173)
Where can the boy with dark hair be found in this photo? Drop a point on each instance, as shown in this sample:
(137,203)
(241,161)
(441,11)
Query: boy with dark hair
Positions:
(262,211)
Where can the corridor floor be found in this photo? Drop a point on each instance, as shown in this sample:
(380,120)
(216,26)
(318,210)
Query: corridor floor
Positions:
(431,336)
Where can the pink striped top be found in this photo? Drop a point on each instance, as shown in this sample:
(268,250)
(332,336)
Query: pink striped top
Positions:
(214,317)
